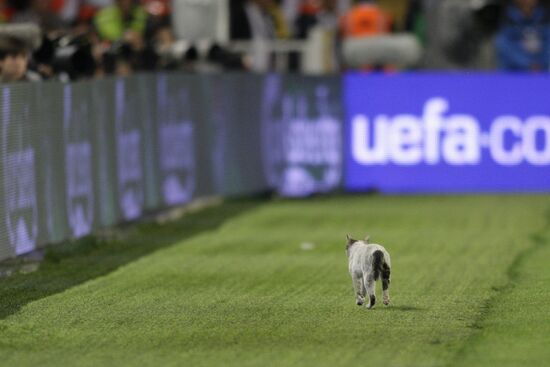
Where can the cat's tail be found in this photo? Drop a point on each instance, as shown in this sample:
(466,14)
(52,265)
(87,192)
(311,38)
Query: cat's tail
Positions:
(379,265)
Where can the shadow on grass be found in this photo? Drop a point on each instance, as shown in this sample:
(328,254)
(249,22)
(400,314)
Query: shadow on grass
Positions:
(75,262)
(403,308)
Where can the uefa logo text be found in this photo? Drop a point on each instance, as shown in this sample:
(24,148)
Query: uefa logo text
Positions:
(455,139)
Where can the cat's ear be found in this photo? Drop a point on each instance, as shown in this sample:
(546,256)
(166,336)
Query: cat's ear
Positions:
(350,240)
(367,239)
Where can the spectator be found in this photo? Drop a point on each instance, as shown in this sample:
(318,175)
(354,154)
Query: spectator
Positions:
(257,19)
(275,12)
(124,19)
(317,21)
(14,61)
(71,11)
(6,12)
(294,9)
(306,18)
(316,13)
(39,12)
(368,43)
(65,9)
(328,14)
(365,19)
(164,41)
(415,21)
(454,38)
(523,42)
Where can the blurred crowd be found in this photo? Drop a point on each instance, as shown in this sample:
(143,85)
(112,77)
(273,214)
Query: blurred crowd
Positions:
(72,39)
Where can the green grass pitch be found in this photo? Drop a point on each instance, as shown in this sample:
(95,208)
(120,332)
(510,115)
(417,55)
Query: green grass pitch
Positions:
(232,286)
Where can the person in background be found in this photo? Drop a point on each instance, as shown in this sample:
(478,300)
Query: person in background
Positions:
(14,61)
(323,10)
(125,19)
(311,14)
(164,40)
(365,18)
(257,19)
(523,42)
(328,15)
(369,43)
(65,9)
(6,12)
(40,13)
(306,18)
(273,9)
(122,26)
(415,21)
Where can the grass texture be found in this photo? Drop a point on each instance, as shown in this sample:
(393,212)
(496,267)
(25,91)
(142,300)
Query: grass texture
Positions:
(265,284)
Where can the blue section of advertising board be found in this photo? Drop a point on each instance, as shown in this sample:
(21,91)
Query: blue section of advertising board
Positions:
(408,133)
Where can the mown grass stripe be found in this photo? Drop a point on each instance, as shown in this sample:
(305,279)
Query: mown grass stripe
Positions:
(493,342)
(75,262)
(246,294)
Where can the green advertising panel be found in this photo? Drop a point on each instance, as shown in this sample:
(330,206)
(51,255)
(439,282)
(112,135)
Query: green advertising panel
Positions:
(76,157)
(302,134)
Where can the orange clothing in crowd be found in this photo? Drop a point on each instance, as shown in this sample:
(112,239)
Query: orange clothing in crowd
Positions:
(56,5)
(5,11)
(365,20)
